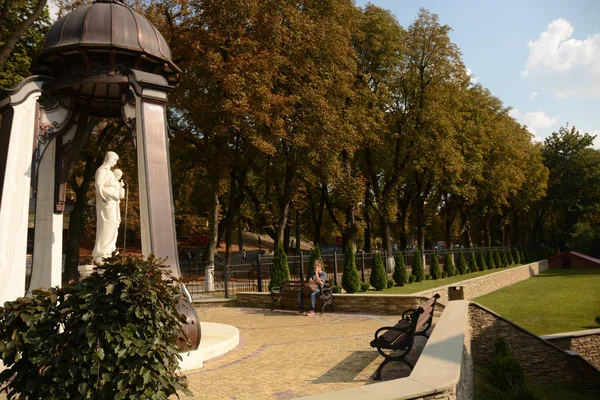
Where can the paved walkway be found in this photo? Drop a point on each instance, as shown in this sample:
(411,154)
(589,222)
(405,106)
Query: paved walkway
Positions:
(283,355)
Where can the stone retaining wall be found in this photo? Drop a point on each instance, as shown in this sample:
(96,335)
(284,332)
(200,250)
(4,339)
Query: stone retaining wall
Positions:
(542,360)
(585,343)
(475,287)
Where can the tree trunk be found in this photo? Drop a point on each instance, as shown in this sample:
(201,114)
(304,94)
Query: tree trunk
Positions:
(286,238)
(386,231)
(298,248)
(464,217)
(488,233)
(228,243)
(213,222)
(420,224)
(240,235)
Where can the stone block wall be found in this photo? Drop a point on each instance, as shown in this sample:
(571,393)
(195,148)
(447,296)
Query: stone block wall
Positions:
(585,343)
(542,360)
(483,285)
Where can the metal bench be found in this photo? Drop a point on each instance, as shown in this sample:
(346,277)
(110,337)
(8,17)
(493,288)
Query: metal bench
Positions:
(400,337)
(289,291)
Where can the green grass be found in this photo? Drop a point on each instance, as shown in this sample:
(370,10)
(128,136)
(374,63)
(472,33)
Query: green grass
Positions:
(486,390)
(555,301)
(430,284)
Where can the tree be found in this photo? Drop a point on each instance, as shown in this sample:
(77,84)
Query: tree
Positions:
(481,260)
(449,265)
(503,259)
(417,266)
(497,260)
(400,272)
(378,277)
(491,263)
(516,255)
(434,268)
(350,279)
(315,255)
(279,270)
(509,257)
(461,266)
(472,262)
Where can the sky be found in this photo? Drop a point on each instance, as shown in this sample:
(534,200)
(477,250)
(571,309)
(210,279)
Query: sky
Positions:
(541,57)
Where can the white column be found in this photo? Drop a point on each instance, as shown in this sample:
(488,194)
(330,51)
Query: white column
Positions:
(47,250)
(14,205)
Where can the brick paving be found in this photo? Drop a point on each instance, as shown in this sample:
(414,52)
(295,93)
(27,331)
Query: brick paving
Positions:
(283,355)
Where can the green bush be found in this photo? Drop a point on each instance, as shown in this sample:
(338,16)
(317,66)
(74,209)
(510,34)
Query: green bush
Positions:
(390,283)
(364,286)
(315,255)
(516,256)
(472,262)
(400,273)
(497,259)
(427,277)
(417,266)
(412,278)
(504,259)
(461,265)
(444,274)
(434,268)
(508,372)
(378,276)
(449,268)
(522,393)
(522,257)
(350,279)
(490,259)
(279,270)
(509,257)
(336,289)
(468,270)
(481,260)
(118,337)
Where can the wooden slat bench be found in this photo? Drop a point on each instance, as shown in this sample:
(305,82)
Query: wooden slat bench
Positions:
(288,291)
(400,337)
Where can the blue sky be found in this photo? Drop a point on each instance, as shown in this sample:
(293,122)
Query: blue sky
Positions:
(540,57)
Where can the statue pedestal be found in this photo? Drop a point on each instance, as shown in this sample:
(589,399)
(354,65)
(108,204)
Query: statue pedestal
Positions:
(85,270)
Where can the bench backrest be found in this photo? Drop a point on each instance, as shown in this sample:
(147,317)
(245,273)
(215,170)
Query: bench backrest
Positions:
(297,285)
(427,311)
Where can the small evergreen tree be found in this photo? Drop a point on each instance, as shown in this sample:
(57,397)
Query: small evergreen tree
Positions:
(434,269)
(315,255)
(504,259)
(481,260)
(472,262)
(516,256)
(461,265)
(490,259)
(279,270)
(522,257)
(509,257)
(497,260)
(417,266)
(378,276)
(400,273)
(449,265)
(350,279)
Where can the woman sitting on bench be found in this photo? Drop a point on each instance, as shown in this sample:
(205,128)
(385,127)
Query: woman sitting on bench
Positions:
(316,280)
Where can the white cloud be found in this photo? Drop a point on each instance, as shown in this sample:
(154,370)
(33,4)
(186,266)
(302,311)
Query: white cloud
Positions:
(533,95)
(535,121)
(565,66)
(53,9)
(473,78)
(597,140)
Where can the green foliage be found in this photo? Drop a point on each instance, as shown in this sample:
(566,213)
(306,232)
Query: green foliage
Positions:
(509,257)
(400,272)
(490,259)
(279,270)
(350,279)
(481,260)
(434,268)
(112,336)
(468,270)
(315,255)
(497,260)
(585,239)
(522,257)
(417,266)
(412,278)
(472,262)
(503,259)
(364,286)
(427,277)
(449,267)
(444,274)
(516,255)
(336,289)
(461,265)
(508,371)
(378,276)
(390,283)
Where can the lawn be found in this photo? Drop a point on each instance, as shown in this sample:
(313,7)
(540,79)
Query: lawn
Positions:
(430,284)
(555,301)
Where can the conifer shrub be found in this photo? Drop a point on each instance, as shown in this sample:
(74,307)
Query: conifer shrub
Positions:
(412,278)
(378,276)
(509,257)
(427,277)
(279,270)
(468,270)
(472,262)
(516,255)
(504,259)
(400,273)
(350,279)
(417,266)
(435,269)
(481,260)
(315,255)
(449,267)
(522,257)
(461,265)
(508,372)
(444,274)
(112,336)
(364,286)
(490,259)
(390,283)
(497,259)
(336,289)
